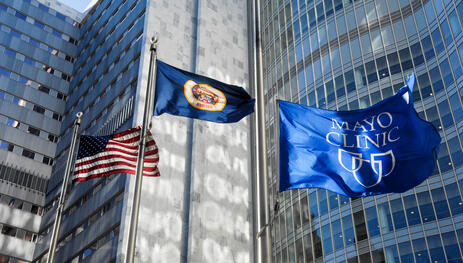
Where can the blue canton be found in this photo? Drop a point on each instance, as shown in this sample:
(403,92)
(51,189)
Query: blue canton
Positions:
(91,145)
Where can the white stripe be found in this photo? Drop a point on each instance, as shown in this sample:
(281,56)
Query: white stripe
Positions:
(111,145)
(114,146)
(150,148)
(127,136)
(113,142)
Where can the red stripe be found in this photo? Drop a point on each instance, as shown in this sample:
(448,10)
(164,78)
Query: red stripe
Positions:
(126,132)
(130,140)
(121,150)
(155,175)
(135,139)
(152,152)
(150,143)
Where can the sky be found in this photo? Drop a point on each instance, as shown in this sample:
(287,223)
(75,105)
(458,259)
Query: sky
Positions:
(78,5)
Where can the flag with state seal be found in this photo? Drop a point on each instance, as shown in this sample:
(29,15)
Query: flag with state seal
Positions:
(183,93)
(385,148)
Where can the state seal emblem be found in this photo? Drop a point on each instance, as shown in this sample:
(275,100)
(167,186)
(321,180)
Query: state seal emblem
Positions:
(204,97)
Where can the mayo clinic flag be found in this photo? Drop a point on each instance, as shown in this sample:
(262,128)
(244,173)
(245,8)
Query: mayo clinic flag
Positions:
(381,149)
(100,156)
(183,93)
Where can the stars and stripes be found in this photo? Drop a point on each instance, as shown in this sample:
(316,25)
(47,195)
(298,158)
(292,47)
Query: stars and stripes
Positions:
(101,156)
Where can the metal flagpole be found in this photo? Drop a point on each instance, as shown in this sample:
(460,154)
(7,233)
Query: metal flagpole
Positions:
(62,196)
(130,255)
(264,250)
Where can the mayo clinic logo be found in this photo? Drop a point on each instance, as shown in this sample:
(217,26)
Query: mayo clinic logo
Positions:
(366,137)
(382,164)
(204,97)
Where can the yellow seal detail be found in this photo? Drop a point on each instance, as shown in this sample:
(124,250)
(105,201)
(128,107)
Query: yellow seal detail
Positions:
(204,97)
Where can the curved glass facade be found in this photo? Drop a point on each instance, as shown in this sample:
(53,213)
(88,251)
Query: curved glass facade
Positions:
(347,55)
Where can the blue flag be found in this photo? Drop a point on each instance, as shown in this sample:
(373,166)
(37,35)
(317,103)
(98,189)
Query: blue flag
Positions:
(183,93)
(385,148)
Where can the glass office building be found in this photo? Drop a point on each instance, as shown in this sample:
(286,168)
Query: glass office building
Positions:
(37,50)
(103,86)
(347,55)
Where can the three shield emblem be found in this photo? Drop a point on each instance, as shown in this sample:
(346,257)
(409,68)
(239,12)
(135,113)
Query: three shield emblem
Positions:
(380,165)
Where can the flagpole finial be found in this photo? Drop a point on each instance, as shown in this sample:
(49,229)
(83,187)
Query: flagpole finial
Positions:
(79,116)
(154,41)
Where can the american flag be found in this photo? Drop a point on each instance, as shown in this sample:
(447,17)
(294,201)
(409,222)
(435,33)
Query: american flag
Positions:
(101,156)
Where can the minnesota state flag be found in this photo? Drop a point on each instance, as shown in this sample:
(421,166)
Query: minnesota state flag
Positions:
(183,93)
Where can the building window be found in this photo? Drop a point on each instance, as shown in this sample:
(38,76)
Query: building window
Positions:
(39,109)
(15,203)
(3,145)
(47,160)
(65,77)
(37,210)
(52,138)
(21,16)
(48,69)
(57,117)
(15,33)
(61,96)
(38,24)
(33,131)
(44,8)
(10,52)
(13,123)
(34,42)
(9,231)
(19,102)
(56,33)
(28,154)
(10,147)
(60,16)
(5,72)
(24,80)
(44,89)
(69,58)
